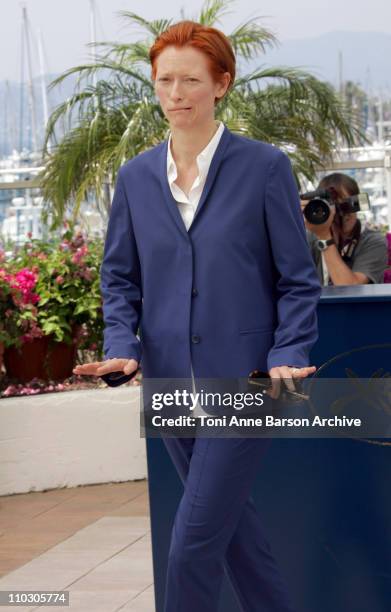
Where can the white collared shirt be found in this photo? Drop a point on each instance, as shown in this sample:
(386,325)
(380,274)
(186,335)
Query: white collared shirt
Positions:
(187,205)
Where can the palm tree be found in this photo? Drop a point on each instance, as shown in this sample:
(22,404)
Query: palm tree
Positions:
(113,113)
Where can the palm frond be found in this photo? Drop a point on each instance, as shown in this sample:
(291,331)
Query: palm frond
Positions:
(128,53)
(85,71)
(155,27)
(213,11)
(250,39)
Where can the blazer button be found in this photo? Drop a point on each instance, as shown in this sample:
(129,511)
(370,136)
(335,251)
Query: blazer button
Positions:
(195,339)
(194,292)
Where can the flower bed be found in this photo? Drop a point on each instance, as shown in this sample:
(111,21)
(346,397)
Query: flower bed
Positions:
(50,305)
(50,290)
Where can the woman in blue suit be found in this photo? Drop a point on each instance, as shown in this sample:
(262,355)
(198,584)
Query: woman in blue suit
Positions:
(206,252)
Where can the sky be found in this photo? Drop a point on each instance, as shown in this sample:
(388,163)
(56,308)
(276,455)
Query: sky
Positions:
(65,24)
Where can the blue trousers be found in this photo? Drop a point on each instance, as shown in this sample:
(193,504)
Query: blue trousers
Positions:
(217,529)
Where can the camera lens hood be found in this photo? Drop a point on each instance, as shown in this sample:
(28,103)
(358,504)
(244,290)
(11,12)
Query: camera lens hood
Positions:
(317,211)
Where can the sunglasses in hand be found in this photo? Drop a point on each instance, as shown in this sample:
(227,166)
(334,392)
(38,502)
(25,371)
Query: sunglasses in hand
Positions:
(263,380)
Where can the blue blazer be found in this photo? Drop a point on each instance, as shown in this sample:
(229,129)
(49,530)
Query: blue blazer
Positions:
(237,292)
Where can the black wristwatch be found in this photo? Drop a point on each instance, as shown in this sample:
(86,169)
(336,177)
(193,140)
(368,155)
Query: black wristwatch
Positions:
(324,244)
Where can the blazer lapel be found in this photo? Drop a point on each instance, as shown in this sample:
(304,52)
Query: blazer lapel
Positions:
(213,169)
(170,201)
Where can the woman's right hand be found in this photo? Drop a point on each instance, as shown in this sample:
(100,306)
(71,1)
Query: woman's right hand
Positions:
(97,368)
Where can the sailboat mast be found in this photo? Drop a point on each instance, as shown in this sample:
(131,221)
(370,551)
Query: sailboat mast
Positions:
(43,82)
(21,93)
(93,35)
(30,81)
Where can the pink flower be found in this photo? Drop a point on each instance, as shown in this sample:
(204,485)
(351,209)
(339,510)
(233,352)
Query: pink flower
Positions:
(24,281)
(80,253)
(59,279)
(34,332)
(87,274)
(78,240)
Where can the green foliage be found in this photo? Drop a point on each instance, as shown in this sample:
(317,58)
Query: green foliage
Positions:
(114,114)
(52,289)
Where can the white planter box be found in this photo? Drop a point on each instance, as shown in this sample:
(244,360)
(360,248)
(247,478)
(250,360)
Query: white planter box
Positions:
(70,438)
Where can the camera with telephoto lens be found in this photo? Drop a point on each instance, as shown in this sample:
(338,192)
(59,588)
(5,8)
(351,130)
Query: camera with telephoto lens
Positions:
(318,209)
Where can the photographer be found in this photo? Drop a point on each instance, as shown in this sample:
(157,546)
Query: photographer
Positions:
(343,253)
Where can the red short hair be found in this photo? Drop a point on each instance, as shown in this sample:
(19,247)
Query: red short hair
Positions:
(212,42)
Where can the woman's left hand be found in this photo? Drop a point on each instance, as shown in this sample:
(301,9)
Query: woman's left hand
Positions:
(287,374)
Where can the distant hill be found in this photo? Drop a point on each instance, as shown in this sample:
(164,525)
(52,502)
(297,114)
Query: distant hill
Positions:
(366,57)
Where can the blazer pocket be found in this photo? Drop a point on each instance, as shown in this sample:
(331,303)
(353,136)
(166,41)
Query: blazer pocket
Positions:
(256,330)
